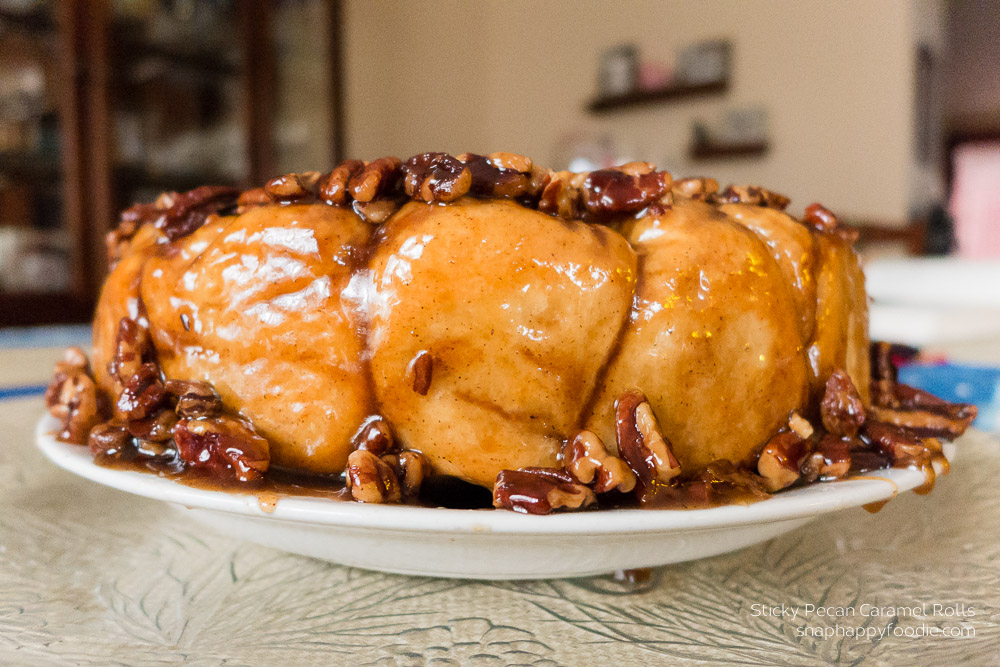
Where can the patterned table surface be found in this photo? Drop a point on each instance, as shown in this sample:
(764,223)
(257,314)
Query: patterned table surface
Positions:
(89,575)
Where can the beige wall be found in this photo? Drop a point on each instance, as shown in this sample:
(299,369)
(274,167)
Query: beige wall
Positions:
(837,78)
(973,72)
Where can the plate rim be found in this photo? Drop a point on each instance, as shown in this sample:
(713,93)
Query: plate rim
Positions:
(806,502)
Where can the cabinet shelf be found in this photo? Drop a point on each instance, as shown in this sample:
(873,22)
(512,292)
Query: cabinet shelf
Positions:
(29,166)
(137,176)
(720,151)
(33,21)
(680,91)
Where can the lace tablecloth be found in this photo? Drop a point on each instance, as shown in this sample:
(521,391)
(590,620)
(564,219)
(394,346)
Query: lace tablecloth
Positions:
(89,575)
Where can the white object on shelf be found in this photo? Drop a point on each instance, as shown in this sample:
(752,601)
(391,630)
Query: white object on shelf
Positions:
(934,300)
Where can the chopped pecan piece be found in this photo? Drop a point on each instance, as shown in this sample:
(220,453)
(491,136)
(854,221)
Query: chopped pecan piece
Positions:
(421,369)
(559,196)
(411,469)
(753,195)
(370,479)
(375,436)
(436,177)
(641,443)
(779,461)
(587,459)
(194,399)
(111,442)
(718,483)
(72,397)
(842,411)
(800,426)
(695,188)
(511,162)
(830,460)
(162,452)
(883,384)
(143,393)
(223,445)
(133,347)
(540,491)
(375,212)
(157,427)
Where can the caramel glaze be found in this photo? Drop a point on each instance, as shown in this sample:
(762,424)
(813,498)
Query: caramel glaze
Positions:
(305,316)
(278,483)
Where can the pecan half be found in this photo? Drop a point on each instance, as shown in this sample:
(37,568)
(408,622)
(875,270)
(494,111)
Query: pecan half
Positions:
(375,436)
(223,445)
(540,491)
(641,443)
(411,469)
(333,188)
(588,460)
(436,177)
(611,192)
(498,174)
(841,409)
(183,213)
(251,199)
(820,217)
(194,399)
(904,448)
(753,195)
(778,463)
(375,179)
(370,479)
(292,187)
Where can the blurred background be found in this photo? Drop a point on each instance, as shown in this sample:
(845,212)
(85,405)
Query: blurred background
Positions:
(888,112)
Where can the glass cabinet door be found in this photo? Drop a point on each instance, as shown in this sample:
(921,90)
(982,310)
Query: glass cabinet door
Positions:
(40,264)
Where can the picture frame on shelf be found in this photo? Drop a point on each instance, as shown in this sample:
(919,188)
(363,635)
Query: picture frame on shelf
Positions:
(619,71)
(704,62)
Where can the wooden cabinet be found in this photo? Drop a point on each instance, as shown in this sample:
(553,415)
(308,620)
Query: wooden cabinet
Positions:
(106,103)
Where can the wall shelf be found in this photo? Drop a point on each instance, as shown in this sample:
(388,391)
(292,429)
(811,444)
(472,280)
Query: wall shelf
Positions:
(675,92)
(720,151)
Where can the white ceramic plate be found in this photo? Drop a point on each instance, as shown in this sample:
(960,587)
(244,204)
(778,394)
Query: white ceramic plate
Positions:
(487,544)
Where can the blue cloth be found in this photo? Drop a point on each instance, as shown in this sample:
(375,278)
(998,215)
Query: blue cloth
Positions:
(47,336)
